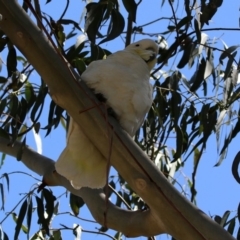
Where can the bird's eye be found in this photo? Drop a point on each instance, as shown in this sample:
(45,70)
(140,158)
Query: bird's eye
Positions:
(137,45)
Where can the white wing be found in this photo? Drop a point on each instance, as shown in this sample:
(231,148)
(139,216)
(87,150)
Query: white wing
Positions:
(123,79)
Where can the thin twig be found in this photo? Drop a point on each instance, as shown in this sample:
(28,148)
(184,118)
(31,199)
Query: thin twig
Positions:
(65,10)
(129,30)
(38,12)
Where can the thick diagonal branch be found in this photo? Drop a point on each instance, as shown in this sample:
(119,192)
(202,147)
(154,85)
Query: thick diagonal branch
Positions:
(173,213)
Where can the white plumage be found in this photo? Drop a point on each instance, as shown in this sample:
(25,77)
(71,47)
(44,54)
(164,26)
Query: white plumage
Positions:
(123,79)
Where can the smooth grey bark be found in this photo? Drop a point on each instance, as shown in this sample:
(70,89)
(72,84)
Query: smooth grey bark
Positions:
(171,211)
(131,223)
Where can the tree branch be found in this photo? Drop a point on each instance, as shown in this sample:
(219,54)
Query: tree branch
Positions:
(131,223)
(173,213)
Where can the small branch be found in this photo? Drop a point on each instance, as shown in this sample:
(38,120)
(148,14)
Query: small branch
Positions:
(156,20)
(118,195)
(65,10)
(129,30)
(214,29)
(130,223)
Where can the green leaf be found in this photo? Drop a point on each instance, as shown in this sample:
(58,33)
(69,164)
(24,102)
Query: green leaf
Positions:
(56,235)
(227,53)
(187,54)
(50,117)
(217,219)
(197,30)
(208,10)
(20,219)
(29,94)
(94,18)
(40,235)
(184,21)
(235,166)
(228,70)
(3,235)
(179,143)
(238,212)
(71,34)
(29,213)
(37,127)
(188,8)
(198,76)
(54,116)
(98,53)
(5,175)
(227,91)
(3,79)
(74,51)
(231,226)
(2,196)
(131,7)
(69,21)
(49,198)
(61,37)
(196,157)
(235,96)
(224,218)
(55,211)
(11,61)
(3,155)
(220,119)
(13,109)
(79,65)
(209,64)
(22,132)
(76,203)
(38,104)
(116,26)
(40,212)
(231,135)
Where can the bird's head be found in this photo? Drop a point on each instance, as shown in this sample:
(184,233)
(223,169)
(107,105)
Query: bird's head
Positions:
(147,49)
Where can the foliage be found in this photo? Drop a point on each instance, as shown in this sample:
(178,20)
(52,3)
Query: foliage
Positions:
(192,108)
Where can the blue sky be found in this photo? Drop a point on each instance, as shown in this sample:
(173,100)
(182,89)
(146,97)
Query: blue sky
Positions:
(217,189)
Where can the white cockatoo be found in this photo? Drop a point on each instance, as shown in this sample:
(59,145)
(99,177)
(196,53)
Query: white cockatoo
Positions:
(123,79)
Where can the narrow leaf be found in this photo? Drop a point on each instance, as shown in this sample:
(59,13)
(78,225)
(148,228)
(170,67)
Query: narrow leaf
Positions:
(76,203)
(49,198)
(238,212)
(116,26)
(184,21)
(11,61)
(29,213)
(231,226)
(235,166)
(20,219)
(224,218)
(197,30)
(2,196)
(131,7)
(5,175)
(69,21)
(227,53)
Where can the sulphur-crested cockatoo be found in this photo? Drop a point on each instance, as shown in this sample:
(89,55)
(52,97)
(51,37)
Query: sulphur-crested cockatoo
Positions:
(123,79)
